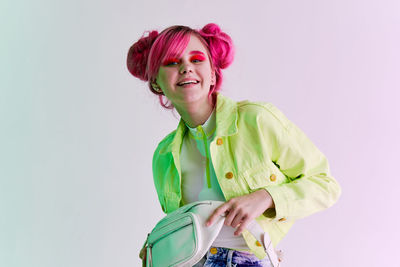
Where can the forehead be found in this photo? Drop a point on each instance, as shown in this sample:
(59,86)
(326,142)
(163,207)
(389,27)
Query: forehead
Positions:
(195,44)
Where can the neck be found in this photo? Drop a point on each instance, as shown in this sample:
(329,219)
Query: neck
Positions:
(197,114)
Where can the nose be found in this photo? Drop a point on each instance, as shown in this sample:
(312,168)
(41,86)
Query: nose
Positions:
(185,67)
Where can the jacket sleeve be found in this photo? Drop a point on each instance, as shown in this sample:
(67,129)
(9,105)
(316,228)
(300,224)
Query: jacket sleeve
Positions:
(309,187)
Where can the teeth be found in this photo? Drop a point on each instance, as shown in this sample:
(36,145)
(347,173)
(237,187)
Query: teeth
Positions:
(188,82)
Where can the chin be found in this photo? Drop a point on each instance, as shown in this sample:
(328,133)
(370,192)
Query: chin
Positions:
(191,98)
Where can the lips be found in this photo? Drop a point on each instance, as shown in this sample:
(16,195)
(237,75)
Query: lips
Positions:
(187,81)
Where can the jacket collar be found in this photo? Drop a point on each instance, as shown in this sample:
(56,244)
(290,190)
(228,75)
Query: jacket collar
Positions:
(226,124)
(226,116)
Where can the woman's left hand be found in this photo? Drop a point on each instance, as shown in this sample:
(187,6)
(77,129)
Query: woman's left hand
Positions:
(240,211)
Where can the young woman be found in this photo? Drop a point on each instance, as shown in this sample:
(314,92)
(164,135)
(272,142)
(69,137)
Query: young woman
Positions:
(247,154)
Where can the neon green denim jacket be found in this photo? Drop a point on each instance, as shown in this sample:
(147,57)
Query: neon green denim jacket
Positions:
(255,147)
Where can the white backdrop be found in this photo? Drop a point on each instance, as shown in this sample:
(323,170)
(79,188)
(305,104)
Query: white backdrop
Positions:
(77,132)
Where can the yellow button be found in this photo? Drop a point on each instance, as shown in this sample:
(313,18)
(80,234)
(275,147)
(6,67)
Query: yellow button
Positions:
(282,219)
(229,175)
(213,250)
(272,177)
(258,244)
(219,141)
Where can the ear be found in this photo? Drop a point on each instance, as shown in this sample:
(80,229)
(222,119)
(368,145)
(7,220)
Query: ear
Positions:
(155,86)
(213,78)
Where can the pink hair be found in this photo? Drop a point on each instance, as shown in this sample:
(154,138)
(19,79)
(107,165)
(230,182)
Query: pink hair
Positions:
(145,56)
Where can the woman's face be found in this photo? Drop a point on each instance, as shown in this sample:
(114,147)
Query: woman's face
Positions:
(187,80)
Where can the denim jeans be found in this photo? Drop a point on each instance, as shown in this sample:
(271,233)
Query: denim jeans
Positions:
(221,257)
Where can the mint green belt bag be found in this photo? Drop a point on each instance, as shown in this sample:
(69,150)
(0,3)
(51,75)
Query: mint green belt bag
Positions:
(181,238)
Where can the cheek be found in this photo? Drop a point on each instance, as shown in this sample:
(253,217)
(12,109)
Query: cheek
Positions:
(168,77)
(208,74)
(162,78)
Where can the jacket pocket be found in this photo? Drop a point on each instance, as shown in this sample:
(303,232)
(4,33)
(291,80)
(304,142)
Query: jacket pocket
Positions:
(263,175)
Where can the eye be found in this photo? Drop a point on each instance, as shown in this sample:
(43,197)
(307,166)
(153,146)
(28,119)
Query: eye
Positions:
(171,62)
(198,58)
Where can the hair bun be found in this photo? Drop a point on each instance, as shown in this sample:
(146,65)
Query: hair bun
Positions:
(220,45)
(138,54)
(212,29)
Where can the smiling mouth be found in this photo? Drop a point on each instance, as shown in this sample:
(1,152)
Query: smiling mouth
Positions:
(188,82)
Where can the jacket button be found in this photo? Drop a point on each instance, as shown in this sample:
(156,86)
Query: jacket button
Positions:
(229,175)
(258,244)
(282,219)
(272,177)
(213,250)
(219,141)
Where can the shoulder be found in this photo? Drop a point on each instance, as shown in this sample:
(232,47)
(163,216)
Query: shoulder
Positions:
(165,143)
(263,111)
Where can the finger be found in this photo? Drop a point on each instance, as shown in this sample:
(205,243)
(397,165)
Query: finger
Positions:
(242,226)
(217,212)
(230,216)
(239,218)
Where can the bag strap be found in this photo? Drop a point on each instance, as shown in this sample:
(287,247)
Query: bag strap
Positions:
(145,261)
(149,260)
(255,229)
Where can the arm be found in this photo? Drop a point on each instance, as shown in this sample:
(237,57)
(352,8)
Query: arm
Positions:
(308,187)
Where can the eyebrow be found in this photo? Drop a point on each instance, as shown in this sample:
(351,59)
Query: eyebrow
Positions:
(196,52)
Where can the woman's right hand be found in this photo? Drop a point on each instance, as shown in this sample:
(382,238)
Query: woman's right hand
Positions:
(240,211)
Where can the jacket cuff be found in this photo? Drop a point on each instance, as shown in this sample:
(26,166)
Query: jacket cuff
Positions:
(281,211)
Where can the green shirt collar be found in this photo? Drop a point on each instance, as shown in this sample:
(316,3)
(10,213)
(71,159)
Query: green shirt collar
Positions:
(208,127)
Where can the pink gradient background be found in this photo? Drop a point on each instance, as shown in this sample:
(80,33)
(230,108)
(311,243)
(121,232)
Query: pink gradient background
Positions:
(78,132)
